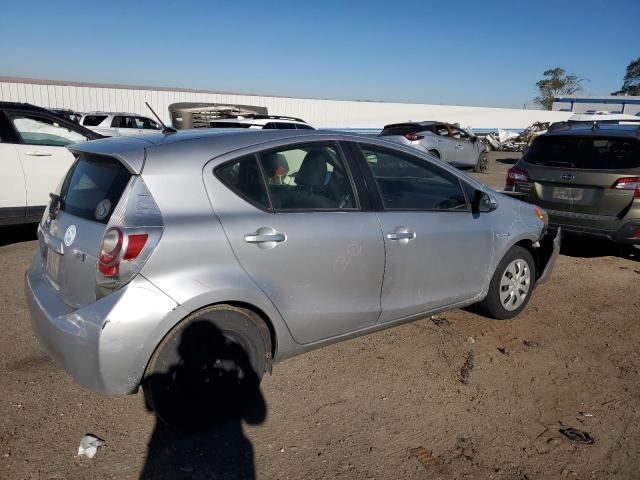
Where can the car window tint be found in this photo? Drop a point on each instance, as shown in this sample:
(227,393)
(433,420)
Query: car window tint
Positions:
(45,131)
(118,122)
(93,120)
(308,177)
(93,187)
(302,126)
(590,153)
(243,177)
(407,182)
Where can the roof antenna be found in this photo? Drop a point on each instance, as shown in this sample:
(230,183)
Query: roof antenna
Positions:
(165,129)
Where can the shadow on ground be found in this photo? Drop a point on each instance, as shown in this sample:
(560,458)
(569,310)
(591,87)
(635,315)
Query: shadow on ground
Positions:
(507,161)
(585,247)
(202,392)
(18,233)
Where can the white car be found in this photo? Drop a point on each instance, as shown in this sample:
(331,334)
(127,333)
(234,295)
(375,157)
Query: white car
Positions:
(34,158)
(266,122)
(113,124)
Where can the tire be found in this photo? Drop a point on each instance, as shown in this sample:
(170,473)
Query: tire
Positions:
(208,368)
(517,260)
(482,165)
(434,153)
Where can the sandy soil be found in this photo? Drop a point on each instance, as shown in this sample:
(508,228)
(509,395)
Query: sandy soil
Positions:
(392,405)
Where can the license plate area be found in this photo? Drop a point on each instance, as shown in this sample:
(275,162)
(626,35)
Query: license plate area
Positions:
(568,193)
(52,265)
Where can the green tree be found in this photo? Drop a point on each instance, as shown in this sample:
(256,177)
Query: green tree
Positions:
(557,83)
(631,85)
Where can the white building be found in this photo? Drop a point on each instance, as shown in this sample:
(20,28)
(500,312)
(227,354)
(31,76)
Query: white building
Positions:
(84,97)
(629,105)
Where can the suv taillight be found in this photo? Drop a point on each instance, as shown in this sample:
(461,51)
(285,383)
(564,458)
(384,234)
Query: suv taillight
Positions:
(628,183)
(515,175)
(413,137)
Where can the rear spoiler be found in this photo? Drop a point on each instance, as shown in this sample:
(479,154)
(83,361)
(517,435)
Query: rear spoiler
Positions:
(131,152)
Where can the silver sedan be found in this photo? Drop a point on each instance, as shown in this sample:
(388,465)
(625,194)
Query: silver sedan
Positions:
(186,263)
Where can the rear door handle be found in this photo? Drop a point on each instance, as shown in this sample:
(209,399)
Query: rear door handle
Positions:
(33,153)
(401,235)
(256,238)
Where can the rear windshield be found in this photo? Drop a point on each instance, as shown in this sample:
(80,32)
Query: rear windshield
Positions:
(589,153)
(403,130)
(93,120)
(93,186)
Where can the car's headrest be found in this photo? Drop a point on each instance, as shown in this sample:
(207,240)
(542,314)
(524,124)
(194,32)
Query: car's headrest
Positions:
(313,170)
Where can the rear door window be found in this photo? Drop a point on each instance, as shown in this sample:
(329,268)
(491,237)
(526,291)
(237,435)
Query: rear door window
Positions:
(588,153)
(308,177)
(93,187)
(34,130)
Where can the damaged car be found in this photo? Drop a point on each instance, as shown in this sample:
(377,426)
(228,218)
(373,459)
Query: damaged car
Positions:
(455,145)
(192,277)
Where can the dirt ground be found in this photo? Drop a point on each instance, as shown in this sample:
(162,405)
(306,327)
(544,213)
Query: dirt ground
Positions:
(391,405)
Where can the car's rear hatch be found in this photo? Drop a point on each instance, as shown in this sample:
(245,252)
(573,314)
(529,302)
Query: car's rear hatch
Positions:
(73,226)
(579,177)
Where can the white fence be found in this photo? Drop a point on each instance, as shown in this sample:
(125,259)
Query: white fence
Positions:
(84,97)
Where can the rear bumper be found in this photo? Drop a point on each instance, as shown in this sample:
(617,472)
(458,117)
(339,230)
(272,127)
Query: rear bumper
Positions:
(104,345)
(627,233)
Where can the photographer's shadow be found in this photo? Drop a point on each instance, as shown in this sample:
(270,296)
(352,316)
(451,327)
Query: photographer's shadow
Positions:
(201,400)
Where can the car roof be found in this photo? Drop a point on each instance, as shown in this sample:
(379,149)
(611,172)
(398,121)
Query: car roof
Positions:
(115,113)
(598,130)
(203,144)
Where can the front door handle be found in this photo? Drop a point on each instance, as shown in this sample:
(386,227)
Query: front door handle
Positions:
(32,153)
(265,237)
(401,235)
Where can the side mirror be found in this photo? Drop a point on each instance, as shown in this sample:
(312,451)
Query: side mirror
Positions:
(483,203)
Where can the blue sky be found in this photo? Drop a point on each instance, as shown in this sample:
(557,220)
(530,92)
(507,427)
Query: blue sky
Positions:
(466,53)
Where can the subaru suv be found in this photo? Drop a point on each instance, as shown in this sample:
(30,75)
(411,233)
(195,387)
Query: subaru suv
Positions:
(587,178)
(193,275)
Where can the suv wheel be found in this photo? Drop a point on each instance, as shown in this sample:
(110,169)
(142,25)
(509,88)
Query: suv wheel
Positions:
(208,369)
(511,285)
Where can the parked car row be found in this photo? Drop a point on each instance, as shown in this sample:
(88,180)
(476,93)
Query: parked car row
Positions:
(290,239)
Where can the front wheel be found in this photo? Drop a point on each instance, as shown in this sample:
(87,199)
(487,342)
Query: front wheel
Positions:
(511,285)
(482,165)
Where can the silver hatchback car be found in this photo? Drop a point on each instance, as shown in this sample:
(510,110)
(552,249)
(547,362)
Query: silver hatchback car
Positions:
(184,261)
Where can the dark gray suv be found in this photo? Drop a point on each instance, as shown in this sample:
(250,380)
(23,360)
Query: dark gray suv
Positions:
(587,178)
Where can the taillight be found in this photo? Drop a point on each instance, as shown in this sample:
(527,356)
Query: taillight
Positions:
(132,234)
(628,183)
(110,249)
(413,137)
(515,175)
(135,244)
